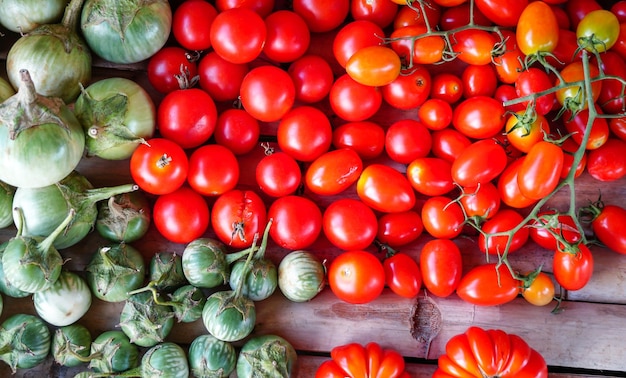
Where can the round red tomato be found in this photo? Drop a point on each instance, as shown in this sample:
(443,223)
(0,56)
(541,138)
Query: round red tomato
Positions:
(238,34)
(354,36)
(166,65)
(398,229)
(479,163)
(278,174)
(380,12)
(479,117)
(407,140)
(505,220)
(402,275)
(436,114)
(385,189)
(213,170)
(356,277)
(181,216)
(237,130)
(297,222)
(219,77)
(430,176)
(267,93)
(187,117)
(409,90)
(333,172)
(608,162)
(262,7)
(322,16)
(312,77)
(237,216)
(349,224)
(304,133)
(288,36)
(573,268)
(191,24)
(535,80)
(441,265)
(159,166)
(446,86)
(352,101)
(488,285)
(442,218)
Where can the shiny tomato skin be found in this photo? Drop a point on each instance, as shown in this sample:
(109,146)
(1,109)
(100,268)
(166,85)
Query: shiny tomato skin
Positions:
(236,216)
(534,80)
(375,66)
(262,7)
(481,201)
(436,114)
(278,174)
(398,229)
(474,46)
(502,12)
(610,99)
(380,12)
(220,78)
(159,166)
(430,176)
(356,277)
(448,143)
(267,93)
(508,188)
(312,77)
(355,360)
(297,222)
(537,29)
(609,226)
(165,64)
(354,36)
(322,16)
(403,275)
(523,134)
(479,286)
(573,270)
(408,90)
(237,130)
(349,224)
(287,37)
(618,127)
(211,179)
(577,126)
(502,221)
(414,52)
(352,101)
(441,265)
(608,162)
(541,290)
(459,15)
(561,224)
(305,133)
(191,24)
(406,140)
(365,137)
(479,117)
(385,189)
(238,34)
(598,30)
(577,9)
(181,216)
(479,80)
(479,163)
(442,218)
(333,172)
(446,86)
(540,172)
(414,16)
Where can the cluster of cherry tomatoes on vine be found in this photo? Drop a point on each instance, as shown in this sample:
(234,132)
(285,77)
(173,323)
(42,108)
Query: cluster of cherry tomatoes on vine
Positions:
(383,121)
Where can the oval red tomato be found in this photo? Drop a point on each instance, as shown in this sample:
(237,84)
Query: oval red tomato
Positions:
(333,172)
(385,189)
(488,285)
(441,265)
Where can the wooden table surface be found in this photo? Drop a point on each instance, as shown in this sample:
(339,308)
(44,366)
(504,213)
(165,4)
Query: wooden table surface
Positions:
(587,338)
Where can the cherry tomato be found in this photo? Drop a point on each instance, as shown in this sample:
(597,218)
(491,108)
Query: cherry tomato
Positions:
(542,231)
(262,7)
(502,12)
(573,269)
(509,65)
(181,216)
(569,149)
(237,130)
(365,137)
(297,222)
(448,143)
(481,162)
(287,38)
(238,34)
(356,277)
(608,225)
(488,285)
(380,12)
(619,9)
(598,30)
(278,174)
(191,24)
(408,90)
(436,114)
(442,218)
(427,49)
(354,36)
(459,15)
(540,292)
(304,133)
(474,46)
(208,177)
(540,172)
(504,220)
(610,99)
(479,80)
(537,29)
(479,117)
(447,87)
(618,127)
(333,172)
(407,140)
(166,65)
(430,176)
(430,13)
(220,78)
(312,77)
(523,131)
(608,162)
(482,201)
(385,189)
(352,101)
(398,229)
(573,97)
(236,216)
(267,93)
(535,80)
(402,274)
(577,9)
(349,224)
(577,126)
(441,265)
(375,66)
(187,117)
(322,16)
(159,166)
(508,188)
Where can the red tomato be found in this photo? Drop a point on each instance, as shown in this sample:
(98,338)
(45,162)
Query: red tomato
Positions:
(577,126)
(447,87)
(618,127)
(181,216)
(365,137)
(262,7)
(168,63)
(267,93)
(187,117)
(549,226)
(349,224)
(509,65)
(398,229)
(436,114)
(159,166)
(488,285)
(430,176)
(608,223)
(619,9)
(482,201)
(535,80)
(220,78)
(479,163)
(610,99)
(380,12)
(236,216)
(479,80)
(474,46)
(385,189)
(502,12)
(415,15)
(297,222)
(608,163)
(191,24)
(287,38)
(504,220)
(509,189)
(479,117)
(238,34)
(573,97)
(375,66)
(407,140)
(442,218)
(312,77)
(237,130)
(356,360)
(569,149)
(322,16)
(356,277)
(459,16)
(573,269)
(402,275)
(278,174)
(540,173)
(333,172)
(492,353)
(304,133)
(352,101)
(354,36)
(537,29)
(408,90)
(441,265)
(426,49)
(448,143)
(577,9)
(209,177)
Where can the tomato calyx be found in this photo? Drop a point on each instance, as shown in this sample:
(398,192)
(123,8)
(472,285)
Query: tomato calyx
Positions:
(184,79)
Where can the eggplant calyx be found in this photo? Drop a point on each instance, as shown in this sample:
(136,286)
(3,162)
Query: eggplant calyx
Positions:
(118,16)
